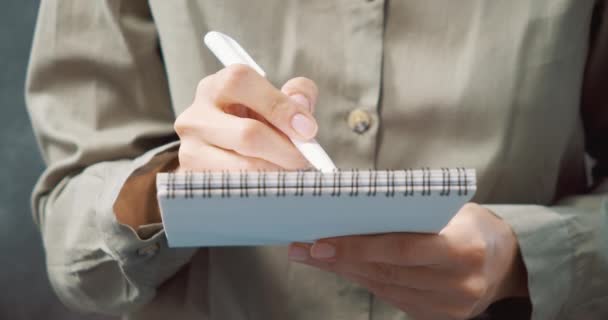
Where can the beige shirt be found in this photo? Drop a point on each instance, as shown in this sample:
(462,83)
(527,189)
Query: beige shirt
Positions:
(493,85)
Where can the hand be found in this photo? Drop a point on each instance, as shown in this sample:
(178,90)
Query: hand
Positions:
(473,262)
(238,120)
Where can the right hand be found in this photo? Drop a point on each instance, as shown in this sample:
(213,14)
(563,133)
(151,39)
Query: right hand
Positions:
(239,120)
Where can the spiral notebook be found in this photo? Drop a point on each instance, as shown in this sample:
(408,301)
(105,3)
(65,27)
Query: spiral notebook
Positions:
(271,208)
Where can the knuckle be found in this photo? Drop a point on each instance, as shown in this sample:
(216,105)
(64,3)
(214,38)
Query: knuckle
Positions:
(474,288)
(234,75)
(224,83)
(309,85)
(474,255)
(182,123)
(191,122)
(179,127)
(239,70)
(204,86)
(279,110)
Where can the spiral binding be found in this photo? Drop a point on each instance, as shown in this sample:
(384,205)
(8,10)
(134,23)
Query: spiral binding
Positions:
(206,183)
(374,183)
(446,185)
(300,184)
(354,188)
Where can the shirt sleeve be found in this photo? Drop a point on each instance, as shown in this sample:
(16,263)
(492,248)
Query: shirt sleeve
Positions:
(98,100)
(565,246)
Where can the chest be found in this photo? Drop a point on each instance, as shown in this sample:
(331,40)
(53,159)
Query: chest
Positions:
(484,84)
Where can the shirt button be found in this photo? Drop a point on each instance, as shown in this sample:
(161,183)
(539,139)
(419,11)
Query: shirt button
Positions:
(359,121)
(148,251)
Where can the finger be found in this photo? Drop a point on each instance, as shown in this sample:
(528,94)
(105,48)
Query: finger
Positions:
(197,156)
(416,302)
(245,136)
(422,278)
(303,91)
(239,84)
(421,304)
(458,295)
(404,249)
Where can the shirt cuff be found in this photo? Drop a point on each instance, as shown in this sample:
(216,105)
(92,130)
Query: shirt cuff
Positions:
(546,248)
(144,256)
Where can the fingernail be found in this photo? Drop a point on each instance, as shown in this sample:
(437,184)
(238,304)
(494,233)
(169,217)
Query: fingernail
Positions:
(304,126)
(301,99)
(297,253)
(322,251)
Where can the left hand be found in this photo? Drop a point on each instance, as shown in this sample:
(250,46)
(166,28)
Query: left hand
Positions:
(456,274)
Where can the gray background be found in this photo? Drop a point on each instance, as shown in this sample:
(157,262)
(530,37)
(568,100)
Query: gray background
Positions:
(24,289)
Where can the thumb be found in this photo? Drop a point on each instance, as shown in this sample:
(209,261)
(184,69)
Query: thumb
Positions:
(303,91)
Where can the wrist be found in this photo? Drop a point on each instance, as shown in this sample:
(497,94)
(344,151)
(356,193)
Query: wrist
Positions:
(137,204)
(515,281)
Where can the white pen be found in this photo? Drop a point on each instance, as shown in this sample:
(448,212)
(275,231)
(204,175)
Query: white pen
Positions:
(229,52)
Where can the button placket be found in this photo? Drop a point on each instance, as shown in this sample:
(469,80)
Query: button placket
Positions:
(359,121)
(362,79)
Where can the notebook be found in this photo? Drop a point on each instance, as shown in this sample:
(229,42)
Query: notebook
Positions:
(227,208)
